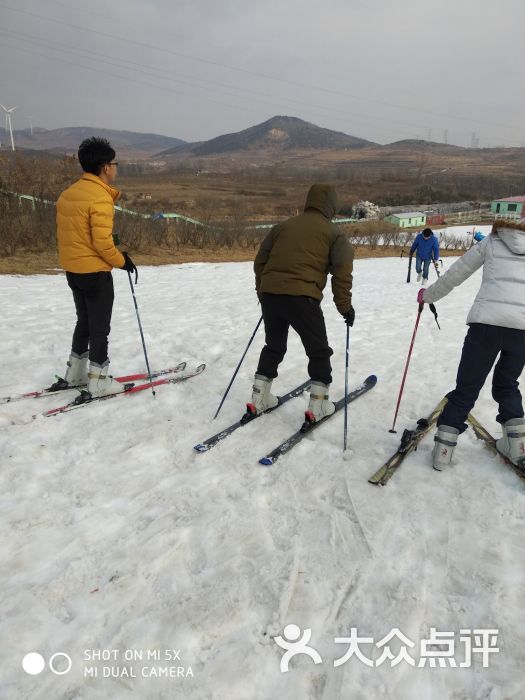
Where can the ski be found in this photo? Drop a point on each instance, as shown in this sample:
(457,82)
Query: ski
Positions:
(490,442)
(409,442)
(84,399)
(307,428)
(61,385)
(247,418)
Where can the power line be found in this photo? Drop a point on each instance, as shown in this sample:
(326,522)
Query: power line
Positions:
(138,67)
(249,72)
(159,87)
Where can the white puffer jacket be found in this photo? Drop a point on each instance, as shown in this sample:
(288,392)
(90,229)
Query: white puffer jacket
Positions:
(501,298)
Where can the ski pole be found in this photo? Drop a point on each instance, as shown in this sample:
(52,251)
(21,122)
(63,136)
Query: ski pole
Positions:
(436,268)
(141,333)
(406,367)
(433,309)
(347,353)
(409,267)
(237,369)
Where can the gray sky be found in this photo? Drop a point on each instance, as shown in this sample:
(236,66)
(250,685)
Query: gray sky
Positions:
(384,70)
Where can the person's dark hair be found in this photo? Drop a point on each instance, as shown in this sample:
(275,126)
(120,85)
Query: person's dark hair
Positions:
(427,232)
(93,153)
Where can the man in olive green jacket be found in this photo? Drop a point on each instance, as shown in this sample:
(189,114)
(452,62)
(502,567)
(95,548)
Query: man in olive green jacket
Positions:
(291,270)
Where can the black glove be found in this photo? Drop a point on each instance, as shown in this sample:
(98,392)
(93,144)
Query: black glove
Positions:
(349,316)
(130,267)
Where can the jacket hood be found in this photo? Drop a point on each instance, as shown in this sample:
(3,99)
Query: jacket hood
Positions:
(512,233)
(324,199)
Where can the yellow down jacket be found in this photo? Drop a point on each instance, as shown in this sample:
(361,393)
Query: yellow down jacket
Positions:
(85,225)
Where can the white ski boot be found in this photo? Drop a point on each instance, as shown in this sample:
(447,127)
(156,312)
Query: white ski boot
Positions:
(76,373)
(512,443)
(445,441)
(77,369)
(319,406)
(419,276)
(262,398)
(101,383)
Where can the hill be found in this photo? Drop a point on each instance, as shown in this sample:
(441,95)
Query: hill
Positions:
(129,144)
(279,133)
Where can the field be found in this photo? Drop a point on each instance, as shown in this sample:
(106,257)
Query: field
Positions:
(229,194)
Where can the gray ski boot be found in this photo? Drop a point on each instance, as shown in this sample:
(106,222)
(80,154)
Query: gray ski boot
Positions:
(101,383)
(445,441)
(319,406)
(512,443)
(262,398)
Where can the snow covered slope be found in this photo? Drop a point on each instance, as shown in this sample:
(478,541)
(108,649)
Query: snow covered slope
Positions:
(117,539)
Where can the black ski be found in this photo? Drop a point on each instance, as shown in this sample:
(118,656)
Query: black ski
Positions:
(307,428)
(490,442)
(409,267)
(247,418)
(409,442)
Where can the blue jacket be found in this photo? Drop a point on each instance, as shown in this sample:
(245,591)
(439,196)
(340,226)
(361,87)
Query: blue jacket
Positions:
(427,249)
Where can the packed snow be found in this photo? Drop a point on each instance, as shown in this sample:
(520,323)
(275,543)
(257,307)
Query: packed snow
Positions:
(134,555)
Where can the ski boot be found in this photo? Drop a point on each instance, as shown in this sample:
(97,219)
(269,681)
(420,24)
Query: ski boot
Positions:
(101,383)
(76,373)
(319,407)
(445,441)
(262,398)
(512,443)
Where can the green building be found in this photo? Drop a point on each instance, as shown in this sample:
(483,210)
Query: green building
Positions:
(508,208)
(407,219)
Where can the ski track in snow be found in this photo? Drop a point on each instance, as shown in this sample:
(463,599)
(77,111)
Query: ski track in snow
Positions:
(116,535)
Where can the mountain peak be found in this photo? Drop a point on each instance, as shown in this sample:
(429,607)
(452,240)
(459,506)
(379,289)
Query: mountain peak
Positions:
(280,133)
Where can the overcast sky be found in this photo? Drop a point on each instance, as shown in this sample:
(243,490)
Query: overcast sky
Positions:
(383,70)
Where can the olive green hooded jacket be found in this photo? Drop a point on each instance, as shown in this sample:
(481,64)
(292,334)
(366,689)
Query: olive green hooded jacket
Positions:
(297,255)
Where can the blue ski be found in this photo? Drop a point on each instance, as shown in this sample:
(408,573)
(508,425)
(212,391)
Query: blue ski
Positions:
(307,428)
(247,418)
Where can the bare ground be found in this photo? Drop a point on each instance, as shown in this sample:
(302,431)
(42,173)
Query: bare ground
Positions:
(46,263)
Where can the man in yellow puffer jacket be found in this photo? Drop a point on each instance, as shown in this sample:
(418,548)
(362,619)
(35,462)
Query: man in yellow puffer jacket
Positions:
(88,254)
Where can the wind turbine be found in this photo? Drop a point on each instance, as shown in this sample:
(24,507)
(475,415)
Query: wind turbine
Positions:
(8,125)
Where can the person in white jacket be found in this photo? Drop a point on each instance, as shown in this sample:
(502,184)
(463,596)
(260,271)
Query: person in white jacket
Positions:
(496,328)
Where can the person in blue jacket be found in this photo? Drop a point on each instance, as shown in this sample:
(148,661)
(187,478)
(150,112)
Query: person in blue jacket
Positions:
(426,247)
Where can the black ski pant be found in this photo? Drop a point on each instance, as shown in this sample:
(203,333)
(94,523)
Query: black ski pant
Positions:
(304,315)
(483,344)
(93,295)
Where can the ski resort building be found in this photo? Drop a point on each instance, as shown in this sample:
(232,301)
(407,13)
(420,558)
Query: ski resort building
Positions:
(508,208)
(407,219)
